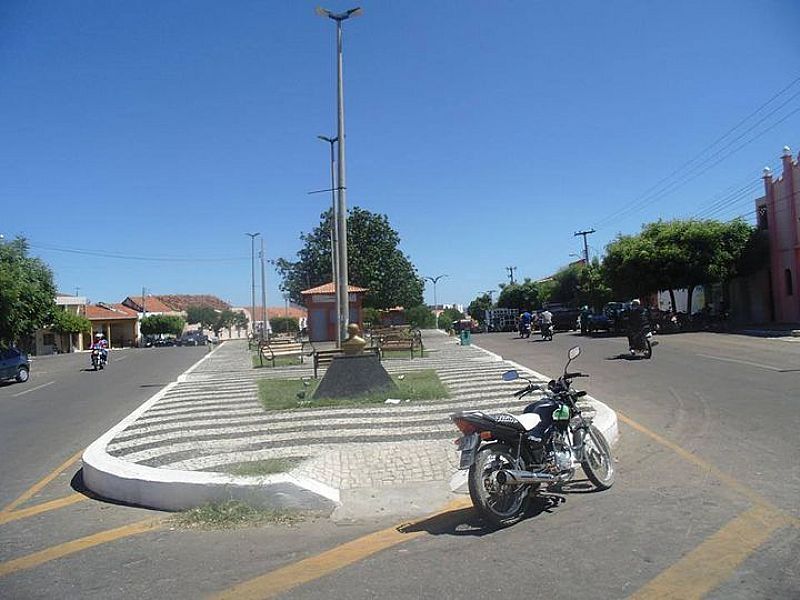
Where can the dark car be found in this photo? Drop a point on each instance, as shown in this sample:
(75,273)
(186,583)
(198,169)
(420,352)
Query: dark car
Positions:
(14,364)
(565,319)
(193,338)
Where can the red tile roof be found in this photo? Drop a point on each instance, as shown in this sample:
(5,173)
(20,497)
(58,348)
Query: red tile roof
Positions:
(107,312)
(183,301)
(151,304)
(278,311)
(330,288)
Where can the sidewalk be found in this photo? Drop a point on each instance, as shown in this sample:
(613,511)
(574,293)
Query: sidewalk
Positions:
(777,330)
(173,452)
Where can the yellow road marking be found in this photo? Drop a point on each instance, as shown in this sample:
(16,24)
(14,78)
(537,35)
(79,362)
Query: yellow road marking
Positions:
(37,487)
(24,513)
(281,580)
(37,558)
(714,561)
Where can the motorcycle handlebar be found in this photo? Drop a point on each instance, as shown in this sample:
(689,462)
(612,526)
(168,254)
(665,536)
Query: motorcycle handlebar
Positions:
(521,392)
(574,375)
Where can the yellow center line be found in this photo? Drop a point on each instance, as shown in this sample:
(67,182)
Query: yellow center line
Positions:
(281,580)
(714,561)
(37,558)
(24,513)
(37,487)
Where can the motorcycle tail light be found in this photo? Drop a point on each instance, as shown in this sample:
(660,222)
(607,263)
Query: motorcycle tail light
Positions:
(486,435)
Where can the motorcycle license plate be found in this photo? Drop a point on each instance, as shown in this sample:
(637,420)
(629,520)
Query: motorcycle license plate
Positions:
(468,445)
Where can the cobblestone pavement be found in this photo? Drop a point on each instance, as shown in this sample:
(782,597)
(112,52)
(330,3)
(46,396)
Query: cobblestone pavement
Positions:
(214,419)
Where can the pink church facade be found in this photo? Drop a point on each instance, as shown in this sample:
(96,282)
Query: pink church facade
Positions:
(779,213)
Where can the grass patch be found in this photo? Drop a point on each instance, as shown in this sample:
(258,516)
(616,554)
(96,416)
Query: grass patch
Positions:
(280,361)
(234,514)
(268,466)
(283,394)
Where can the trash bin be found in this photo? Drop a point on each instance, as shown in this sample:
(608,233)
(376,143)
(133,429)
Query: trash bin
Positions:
(466,337)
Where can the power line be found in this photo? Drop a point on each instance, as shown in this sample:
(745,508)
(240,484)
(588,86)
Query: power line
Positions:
(120,256)
(647,196)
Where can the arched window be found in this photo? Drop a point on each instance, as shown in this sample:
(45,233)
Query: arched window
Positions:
(787,273)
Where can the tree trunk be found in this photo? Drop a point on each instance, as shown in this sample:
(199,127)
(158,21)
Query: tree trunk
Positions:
(672,300)
(690,293)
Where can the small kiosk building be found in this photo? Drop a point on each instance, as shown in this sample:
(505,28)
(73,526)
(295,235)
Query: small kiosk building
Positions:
(321,304)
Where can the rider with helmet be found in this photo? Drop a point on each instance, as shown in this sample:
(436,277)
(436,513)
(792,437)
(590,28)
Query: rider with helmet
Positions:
(101,343)
(638,325)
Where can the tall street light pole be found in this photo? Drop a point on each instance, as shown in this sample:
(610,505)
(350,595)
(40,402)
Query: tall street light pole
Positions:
(434,281)
(334,236)
(342,283)
(264,314)
(252,237)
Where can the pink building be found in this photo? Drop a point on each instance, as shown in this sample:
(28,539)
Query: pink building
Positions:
(778,213)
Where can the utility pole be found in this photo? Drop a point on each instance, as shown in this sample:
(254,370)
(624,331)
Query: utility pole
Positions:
(77,289)
(334,237)
(511,273)
(585,243)
(144,316)
(264,315)
(490,292)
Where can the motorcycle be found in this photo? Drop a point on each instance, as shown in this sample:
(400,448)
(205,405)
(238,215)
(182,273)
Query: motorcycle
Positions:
(547,332)
(524,330)
(510,457)
(99,359)
(642,343)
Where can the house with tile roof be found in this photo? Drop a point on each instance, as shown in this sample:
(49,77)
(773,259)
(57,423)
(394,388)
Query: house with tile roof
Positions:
(119,323)
(321,304)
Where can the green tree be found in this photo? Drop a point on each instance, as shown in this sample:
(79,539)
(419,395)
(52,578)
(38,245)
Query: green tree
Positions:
(447,317)
(162,324)
(375,262)
(371,316)
(203,315)
(225,319)
(240,321)
(523,296)
(27,293)
(592,288)
(284,324)
(478,307)
(420,316)
(668,255)
(70,324)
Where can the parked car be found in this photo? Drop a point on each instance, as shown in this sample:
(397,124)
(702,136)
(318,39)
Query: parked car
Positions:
(193,338)
(14,364)
(566,319)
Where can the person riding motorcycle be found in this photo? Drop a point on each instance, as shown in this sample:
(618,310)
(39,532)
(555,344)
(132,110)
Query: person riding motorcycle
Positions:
(546,321)
(638,325)
(100,343)
(525,320)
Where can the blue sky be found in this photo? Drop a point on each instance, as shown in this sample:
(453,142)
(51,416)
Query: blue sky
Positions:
(488,132)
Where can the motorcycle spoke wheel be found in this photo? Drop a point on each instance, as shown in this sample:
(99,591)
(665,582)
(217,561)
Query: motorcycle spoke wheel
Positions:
(500,505)
(598,464)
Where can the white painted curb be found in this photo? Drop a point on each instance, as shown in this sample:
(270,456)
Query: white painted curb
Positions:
(167,489)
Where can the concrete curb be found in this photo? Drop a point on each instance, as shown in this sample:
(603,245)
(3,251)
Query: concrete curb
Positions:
(171,490)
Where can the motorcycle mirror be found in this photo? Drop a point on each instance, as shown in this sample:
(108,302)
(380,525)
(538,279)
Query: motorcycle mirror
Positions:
(574,352)
(510,375)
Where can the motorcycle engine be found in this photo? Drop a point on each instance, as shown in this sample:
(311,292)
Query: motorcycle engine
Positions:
(562,456)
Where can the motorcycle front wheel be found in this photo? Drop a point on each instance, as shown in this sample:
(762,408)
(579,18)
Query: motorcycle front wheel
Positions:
(597,463)
(648,349)
(500,505)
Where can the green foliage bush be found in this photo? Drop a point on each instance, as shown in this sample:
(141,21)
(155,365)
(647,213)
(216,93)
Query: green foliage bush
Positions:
(284,324)
(421,317)
(162,324)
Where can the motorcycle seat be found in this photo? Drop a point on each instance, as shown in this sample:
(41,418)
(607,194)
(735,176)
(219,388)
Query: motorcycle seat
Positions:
(524,422)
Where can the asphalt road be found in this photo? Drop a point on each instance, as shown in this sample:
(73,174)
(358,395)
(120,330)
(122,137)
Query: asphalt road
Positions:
(65,406)
(705,503)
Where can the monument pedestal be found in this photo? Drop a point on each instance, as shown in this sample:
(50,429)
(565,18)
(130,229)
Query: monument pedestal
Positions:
(354,375)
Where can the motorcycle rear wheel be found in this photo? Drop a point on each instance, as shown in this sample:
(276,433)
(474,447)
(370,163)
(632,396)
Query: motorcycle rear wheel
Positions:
(598,464)
(648,349)
(500,505)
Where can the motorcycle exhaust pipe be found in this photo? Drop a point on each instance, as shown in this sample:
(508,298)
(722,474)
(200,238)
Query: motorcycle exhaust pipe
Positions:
(513,477)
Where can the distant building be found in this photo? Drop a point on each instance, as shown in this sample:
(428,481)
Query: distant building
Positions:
(321,303)
(119,324)
(46,341)
(777,213)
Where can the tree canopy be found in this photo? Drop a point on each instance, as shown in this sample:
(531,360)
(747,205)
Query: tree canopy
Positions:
(669,255)
(478,306)
(523,296)
(205,316)
(162,324)
(66,322)
(375,262)
(27,292)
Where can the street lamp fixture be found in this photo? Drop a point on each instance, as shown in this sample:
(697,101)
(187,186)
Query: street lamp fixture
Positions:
(342,275)
(434,281)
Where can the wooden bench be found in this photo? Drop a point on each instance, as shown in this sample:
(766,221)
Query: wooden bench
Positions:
(273,349)
(407,340)
(325,357)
